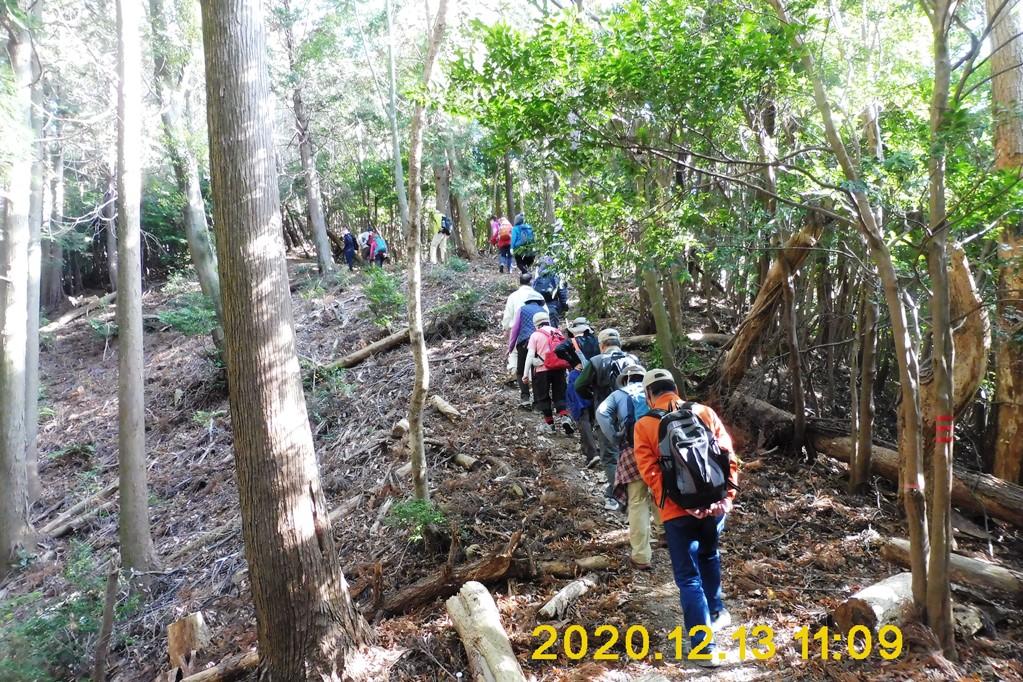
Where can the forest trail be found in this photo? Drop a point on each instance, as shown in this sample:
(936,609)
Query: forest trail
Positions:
(795,545)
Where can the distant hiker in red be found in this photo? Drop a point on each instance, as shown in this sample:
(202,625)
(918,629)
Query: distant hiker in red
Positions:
(501,237)
(377,248)
(685,455)
(547,372)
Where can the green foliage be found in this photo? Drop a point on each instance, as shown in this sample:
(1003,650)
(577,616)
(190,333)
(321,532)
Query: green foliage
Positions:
(74,451)
(414,516)
(53,638)
(192,315)
(386,302)
(462,315)
(205,418)
(456,264)
(104,330)
(317,287)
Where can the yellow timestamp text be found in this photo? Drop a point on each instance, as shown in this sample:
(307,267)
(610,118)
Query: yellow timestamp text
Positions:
(609,643)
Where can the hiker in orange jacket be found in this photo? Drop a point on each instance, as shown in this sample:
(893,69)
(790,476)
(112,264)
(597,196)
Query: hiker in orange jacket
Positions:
(692,534)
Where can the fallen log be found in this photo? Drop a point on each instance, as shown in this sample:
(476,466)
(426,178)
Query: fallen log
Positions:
(445,408)
(467,462)
(888,602)
(976,493)
(478,622)
(964,569)
(77,509)
(387,343)
(92,303)
(705,338)
(58,530)
(231,668)
(446,581)
(569,569)
(185,637)
(565,597)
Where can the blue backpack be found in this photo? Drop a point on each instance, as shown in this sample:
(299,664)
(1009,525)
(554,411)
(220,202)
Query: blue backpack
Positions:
(526,234)
(381,245)
(637,408)
(547,285)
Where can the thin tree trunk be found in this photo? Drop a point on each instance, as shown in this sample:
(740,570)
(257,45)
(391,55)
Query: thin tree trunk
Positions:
(305,617)
(417,399)
(52,295)
(137,551)
(859,469)
(790,325)
(465,242)
(35,227)
(317,224)
(110,220)
(392,113)
(910,443)
(939,507)
(509,187)
(1006,425)
(14,503)
(167,82)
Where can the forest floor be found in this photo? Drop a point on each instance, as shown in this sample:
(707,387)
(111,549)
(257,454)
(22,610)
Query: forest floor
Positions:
(796,544)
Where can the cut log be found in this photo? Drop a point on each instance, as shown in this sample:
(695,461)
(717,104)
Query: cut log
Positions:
(569,569)
(57,530)
(889,602)
(400,429)
(77,509)
(594,563)
(92,303)
(231,668)
(964,569)
(185,637)
(973,492)
(478,622)
(385,344)
(467,462)
(446,581)
(560,602)
(444,407)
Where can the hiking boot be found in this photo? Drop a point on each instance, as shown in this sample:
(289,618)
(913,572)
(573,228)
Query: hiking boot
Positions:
(501,269)
(611,504)
(719,620)
(526,403)
(716,660)
(639,565)
(567,424)
(594,461)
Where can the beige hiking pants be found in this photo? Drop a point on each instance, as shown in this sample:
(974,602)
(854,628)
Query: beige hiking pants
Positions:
(439,248)
(641,510)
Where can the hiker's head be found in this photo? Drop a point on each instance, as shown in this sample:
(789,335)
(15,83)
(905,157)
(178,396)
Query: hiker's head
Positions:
(493,217)
(520,218)
(580,326)
(630,375)
(540,319)
(526,279)
(657,382)
(608,339)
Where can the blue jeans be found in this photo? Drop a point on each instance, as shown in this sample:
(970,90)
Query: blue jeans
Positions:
(696,563)
(350,258)
(504,257)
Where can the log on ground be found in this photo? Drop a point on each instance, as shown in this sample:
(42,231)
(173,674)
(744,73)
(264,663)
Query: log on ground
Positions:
(704,338)
(964,569)
(385,344)
(478,622)
(85,505)
(446,581)
(91,304)
(565,597)
(888,602)
(231,668)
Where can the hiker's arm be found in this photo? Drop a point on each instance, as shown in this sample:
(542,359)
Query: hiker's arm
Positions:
(563,295)
(583,383)
(647,459)
(509,314)
(527,371)
(606,413)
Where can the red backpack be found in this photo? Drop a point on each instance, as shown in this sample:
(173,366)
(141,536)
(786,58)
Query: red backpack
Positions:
(504,234)
(551,361)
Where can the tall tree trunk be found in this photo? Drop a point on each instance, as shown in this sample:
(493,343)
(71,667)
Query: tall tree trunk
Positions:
(168,75)
(305,617)
(14,503)
(35,227)
(859,467)
(939,506)
(509,187)
(317,224)
(1006,425)
(110,219)
(52,295)
(465,242)
(392,114)
(790,326)
(417,399)
(137,553)
(910,429)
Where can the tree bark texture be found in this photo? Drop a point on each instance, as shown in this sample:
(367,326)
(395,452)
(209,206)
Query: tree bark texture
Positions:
(1006,426)
(392,114)
(790,325)
(417,337)
(35,261)
(52,295)
(859,467)
(137,553)
(317,223)
(306,620)
(14,503)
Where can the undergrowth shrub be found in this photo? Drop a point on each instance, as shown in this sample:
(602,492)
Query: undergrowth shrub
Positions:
(456,264)
(462,315)
(414,516)
(192,314)
(104,330)
(54,638)
(316,286)
(386,301)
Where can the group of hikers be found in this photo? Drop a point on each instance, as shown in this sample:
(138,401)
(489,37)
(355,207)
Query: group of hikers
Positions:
(370,245)
(669,464)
